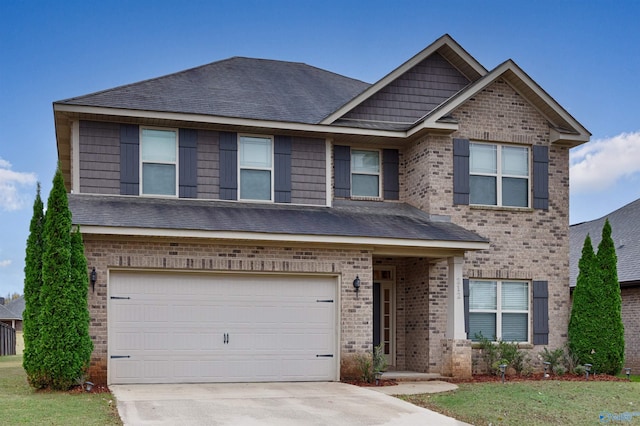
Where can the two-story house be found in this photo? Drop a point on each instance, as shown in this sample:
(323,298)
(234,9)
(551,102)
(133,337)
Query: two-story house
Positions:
(260,220)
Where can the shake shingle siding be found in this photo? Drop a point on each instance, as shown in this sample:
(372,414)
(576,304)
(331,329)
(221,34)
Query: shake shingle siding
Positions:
(208,164)
(413,95)
(99,157)
(308,169)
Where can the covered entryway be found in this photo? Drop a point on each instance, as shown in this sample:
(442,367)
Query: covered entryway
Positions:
(195,327)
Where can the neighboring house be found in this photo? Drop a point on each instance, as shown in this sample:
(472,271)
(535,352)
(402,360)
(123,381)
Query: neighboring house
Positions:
(625,231)
(260,220)
(11,313)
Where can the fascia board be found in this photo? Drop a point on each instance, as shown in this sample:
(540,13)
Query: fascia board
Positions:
(261,237)
(429,50)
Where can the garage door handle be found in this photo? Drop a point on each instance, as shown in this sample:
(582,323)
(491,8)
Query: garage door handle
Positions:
(226,338)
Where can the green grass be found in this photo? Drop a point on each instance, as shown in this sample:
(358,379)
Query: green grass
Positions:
(21,404)
(535,403)
(633,377)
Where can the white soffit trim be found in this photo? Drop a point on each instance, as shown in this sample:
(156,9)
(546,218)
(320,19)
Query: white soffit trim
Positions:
(445,40)
(285,238)
(523,84)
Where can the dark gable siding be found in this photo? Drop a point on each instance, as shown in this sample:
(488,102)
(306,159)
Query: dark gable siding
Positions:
(228,166)
(282,169)
(188,163)
(461,171)
(129,159)
(412,95)
(342,171)
(208,164)
(541,177)
(99,157)
(390,169)
(308,171)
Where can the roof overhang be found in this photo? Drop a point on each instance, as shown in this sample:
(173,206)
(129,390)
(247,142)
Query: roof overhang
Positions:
(379,246)
(565,130)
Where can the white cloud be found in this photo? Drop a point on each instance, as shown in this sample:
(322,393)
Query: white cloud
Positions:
(599,164)
(11,184)
(5,263)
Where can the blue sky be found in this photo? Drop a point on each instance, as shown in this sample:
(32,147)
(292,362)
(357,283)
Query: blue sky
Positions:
(586,54)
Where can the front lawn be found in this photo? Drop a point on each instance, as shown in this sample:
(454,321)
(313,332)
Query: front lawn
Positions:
(21,404)
(537,403)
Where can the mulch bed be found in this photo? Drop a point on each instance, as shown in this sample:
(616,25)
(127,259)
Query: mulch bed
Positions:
(486,378)
(383,382)
(96,389)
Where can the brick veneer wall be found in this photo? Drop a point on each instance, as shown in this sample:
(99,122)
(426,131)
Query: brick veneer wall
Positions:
(525,243)
(190,255)
(631,320)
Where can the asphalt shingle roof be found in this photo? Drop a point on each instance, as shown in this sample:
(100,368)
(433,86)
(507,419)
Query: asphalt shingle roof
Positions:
(625,231)
(237,87)
(348,219)
(16,306)
(6,314)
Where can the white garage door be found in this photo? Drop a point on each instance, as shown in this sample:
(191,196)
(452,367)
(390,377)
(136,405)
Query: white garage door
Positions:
(187,328)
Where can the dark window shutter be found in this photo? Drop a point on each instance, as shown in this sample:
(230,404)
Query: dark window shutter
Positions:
(390,169)
(465,293)
(282,169)
(461,171)
(129,159)
(228,166)
(540,313)
(342,171)
(377,294)
(188,158)
(541,177)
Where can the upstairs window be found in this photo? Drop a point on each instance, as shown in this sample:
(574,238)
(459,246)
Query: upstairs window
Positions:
(256,168)
(159,162)
(499,175)
(499,310)
(365,173)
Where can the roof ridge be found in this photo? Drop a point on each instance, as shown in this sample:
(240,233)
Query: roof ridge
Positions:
(608,215)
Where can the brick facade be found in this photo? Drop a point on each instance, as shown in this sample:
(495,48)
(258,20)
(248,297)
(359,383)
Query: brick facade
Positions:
(631,321)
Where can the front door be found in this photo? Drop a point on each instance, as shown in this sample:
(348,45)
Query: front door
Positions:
(384,327)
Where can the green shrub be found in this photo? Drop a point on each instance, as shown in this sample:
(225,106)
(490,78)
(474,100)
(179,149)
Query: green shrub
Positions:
(501,352)
(559,370)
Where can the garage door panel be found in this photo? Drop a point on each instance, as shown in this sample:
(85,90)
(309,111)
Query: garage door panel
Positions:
(174,327)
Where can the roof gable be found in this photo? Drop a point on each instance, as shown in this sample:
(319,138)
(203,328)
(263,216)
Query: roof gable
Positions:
(238,87)
(565,129)
(444,49)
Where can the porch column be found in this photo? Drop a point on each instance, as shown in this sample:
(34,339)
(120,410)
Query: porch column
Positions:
(455,300)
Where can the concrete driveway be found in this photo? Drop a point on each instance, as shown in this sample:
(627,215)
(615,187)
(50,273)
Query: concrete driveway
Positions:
(281,404)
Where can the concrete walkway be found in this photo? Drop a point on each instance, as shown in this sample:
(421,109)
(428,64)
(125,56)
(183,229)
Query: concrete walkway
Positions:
(412,388)
(282,404)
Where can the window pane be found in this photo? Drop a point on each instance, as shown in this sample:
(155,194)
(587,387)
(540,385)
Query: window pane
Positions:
(158,179)
(255,152)
(482,324)
(365,185)
(483,158)
(255,184)
(515,192)
(515,296)
(482,294)
(514,327)
(482,190)
(158,146)
(515,161)
(365,161)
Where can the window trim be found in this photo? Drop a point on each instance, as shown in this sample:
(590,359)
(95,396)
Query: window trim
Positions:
(499,175)
(499,311)
(271,169)
(176,163)
(379,174)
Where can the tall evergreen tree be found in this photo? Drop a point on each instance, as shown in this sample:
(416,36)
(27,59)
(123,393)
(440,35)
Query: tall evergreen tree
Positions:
(32,288)
(610,359)
(61,338)
(80,286)
(584,323)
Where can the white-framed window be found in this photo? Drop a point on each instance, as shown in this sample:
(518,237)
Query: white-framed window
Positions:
(499,175)
(499,310)
(255,169)
(365,173)
(159,161)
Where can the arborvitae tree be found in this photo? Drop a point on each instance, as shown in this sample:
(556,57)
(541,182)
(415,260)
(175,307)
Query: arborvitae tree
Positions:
(32,302)
(584,324)
(610,357)
(79,286)
(62,314)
